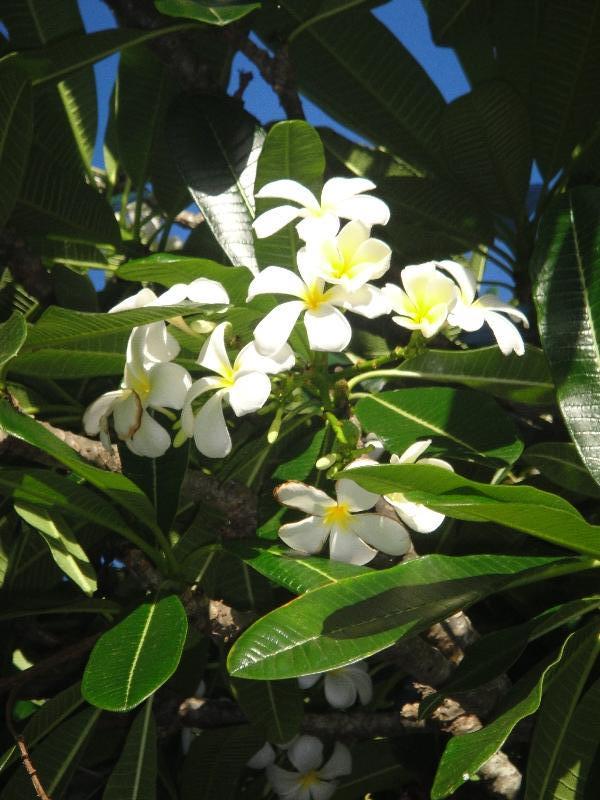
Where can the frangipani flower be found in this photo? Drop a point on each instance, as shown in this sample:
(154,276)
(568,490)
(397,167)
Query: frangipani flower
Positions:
(471,314)
(342,686)
(147,384)
(262,758)
(311,781)
(244,385)
(425,301)
(327,328)
(416,515)
(355,538)
(341,197)
(350,259)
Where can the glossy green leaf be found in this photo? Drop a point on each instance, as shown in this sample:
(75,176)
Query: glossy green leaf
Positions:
(560,463)
(66,551)
(215,14)
(274,707)
(133,659)
(465,423)
(359,616)
(13,333)
(375,767)
(522,379)
(292,151)
(16,120)
(134,776)
(566,274)
(488,145)
(56,758)
(541,514)
(556,714)
(216,145)
(565,80)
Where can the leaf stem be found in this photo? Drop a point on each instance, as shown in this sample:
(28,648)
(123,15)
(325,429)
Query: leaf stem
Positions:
(375,373)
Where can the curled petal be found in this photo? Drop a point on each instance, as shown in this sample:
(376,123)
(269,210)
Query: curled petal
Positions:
(337,190)
(328,329)
(463,277)
(272,332)
(412,453)
(276,280)
(340,691)
(210,429)
(262,758)
(345,546)
(169,385)
(213,355)
(307,536)
(127,415)
(249,393)
(94,418)
(143,298)
(303,497)
(415,515)
(380,532)
(306,753)
(506,334)
(176,294)
(273,220)
(339,764)
(150,439)
(492,303)
(250,360)
(287,189)
(362,681)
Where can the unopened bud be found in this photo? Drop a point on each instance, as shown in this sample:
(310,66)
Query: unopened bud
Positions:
(326,461)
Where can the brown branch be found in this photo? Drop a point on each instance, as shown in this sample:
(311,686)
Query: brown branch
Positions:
(278,72)
(31,770)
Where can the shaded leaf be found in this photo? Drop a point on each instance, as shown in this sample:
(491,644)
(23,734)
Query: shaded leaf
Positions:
(13,333)
(16,121)
(274,707)
(375,767)
(560,463)
(368,162)
(213,14)
(134,776)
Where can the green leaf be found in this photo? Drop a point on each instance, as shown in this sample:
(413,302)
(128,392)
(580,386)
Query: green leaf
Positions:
(216,144)
(274,707)
(16,121)
(215,14)
(359,616)
(13,333)
(565,81)
(74,290)
(296,573)
(521,379)
(134,776)
(66,551)
(56,758)
(216,761)
(133,659)
(293,151)
(55,363)
(169,268)
(24,607)
(542,514)
(487,143)
(375,767)
(560,463)
(555,716)
(464,755)
(368,162)
(467,424)
(566,271)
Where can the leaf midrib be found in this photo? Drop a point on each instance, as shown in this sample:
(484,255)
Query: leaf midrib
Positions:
(138,652)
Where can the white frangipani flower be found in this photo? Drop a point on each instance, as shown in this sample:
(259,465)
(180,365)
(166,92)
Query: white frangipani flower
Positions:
(147,384)
(341,197)
(355,537)
(262,758)
(188,734)
(471,314)
(344,685)
(416,515)
(311,781)
(327,328)
(350,259)
(244,385)
(425,301)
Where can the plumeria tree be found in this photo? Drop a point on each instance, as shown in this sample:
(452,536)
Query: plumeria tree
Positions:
(299,495)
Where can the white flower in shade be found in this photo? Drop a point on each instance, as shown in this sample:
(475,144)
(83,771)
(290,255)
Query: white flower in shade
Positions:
(327,328)
(350,259)
(344,685)
(147,384)
(355,537)
(341,197)
(425,301)
(416,515)
(262,758)
(244,385)
(202,291)
(313,779)
(471,314)
(188,734)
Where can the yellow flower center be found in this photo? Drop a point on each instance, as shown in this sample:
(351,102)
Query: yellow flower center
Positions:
(314,296)
(139,382)
(338,515)
(309,779)
(228,378)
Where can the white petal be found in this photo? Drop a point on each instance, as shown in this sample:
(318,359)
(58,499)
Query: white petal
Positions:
(412,453)
(96,413)
(143,298)
(308,681)
(158,344)
(322,790)
(306,753)
(369,301)
(351,237)
(169,385)
(468,317)
(376,254)
(370,210)
(347,547)
(303,497)
(287,189)
(416,515)
(210,429)
(262,758)
(196,389)
(492,303)
(127,415)
(272,332)
(249,393)
(506,334)
(285,783)
(357,498)
(340,691)
(150,439)
(205,290)
(276,280)
(213,355)
(339,764)
(362,680)
(273,220)
(187,737)
(323,226)
(328,329)
(381,532)
(463,277)
(336,190)
(250,360)
(435,319)
(307,536)
(173,296)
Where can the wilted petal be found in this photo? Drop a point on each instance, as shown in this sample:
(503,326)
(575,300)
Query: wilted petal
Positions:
(276,280)
(308,681)
(381,532)
(296,494)
(143,298)
(150,440)
(213,355)
(210,429)
(370,210)
(339,764)
(506,334)
(249,393)
(340,691)
(127,415)
(306,753)
(274,220)
(169,385)
(287,189)
(345,546)
(99,410)
(328,329)
(286,784)
(262,758)
(272,332)
(307,536)
(250,360)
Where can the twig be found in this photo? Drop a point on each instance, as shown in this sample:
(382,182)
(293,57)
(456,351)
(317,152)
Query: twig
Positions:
(245,78)
(31,770)
(277,71)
